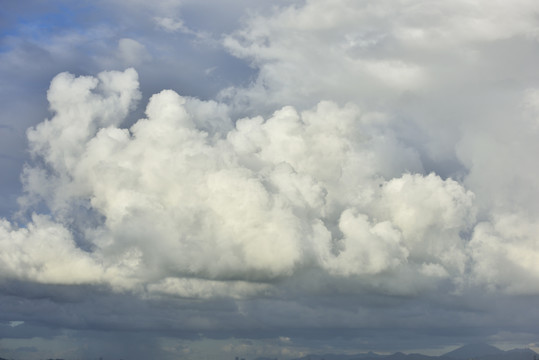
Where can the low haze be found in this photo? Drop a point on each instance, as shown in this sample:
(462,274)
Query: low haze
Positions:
(212,179)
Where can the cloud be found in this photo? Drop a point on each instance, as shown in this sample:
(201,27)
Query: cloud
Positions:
(437,77)
(170,24)
(165,201)
(251,203)
(504,251)
(25,255)
(131,52)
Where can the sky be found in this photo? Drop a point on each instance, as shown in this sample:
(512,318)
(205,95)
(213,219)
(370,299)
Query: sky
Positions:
(205,179)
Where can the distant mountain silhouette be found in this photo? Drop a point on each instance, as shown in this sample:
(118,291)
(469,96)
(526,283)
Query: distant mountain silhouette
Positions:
(515,354)
(402,356)
(474,351)
(362,356)
(372,356)
(466,352)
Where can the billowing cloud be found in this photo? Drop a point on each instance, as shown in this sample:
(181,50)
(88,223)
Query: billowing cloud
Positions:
(168,204)
(45,252)
(436,69)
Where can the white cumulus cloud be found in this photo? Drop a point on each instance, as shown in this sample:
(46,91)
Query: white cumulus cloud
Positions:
(180,205)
